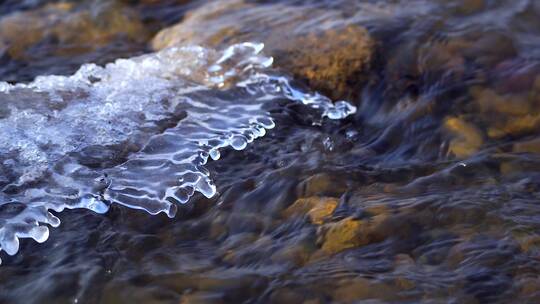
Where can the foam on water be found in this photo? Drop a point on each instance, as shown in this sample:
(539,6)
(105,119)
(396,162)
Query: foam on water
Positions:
(136,132)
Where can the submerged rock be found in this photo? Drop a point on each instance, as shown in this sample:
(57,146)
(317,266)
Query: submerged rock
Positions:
(75,30)
(322,184)
(360,289)
(316,208)
(350,233)
(315,45)
(529,146)
(467,138)
(513,114)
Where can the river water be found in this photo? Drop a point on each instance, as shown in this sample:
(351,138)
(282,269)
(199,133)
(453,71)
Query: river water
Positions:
(209,174)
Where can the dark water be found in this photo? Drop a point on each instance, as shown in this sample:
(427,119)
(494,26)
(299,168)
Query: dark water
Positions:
(434,180)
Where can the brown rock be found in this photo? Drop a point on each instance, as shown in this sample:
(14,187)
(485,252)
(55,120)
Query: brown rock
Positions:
(470,6)
(489,101)
(513,114)
(456,254)
(322,184)
(448,57)
(286,295)
(359,289)
(467,138)
(202,298)
(404,283)
(529,146)
(378,209)
(76,30)
(363,289)
(442,57)
(350,233)
(530,243)
(515,126)
(329,60)
(332,56)
(531,288)
(317,208)
(344,234)
(297,254)
(403,260)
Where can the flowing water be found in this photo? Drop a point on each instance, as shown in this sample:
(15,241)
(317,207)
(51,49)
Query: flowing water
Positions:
(207,175)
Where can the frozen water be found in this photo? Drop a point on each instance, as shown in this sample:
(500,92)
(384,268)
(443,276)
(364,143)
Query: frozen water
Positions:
(136,132)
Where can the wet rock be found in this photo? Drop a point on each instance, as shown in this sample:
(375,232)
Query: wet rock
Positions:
(235,286)
(329,67)
(443,57)
(377,209)
(202,298)
(490,101)
(508,114)
(344,234)
(403,260)
(515,126)
(404,283)
(529,146)
(315,45)
(448,59)
(363,289)
(246,222)
(239,240)
(467,138)
(218,227)
(125,293)
(530,244)
(322,184)
(468,7)
(316,208)
(530,289)
(489,48)
(74,30)
(286,295)
(350,233)
(359,289)
(297,254)
(515,76)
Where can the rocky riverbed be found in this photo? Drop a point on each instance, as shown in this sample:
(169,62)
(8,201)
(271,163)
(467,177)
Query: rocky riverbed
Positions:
(270,151)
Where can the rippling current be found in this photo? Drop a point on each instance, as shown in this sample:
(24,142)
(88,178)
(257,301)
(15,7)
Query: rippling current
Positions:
(217,174)
(136,132)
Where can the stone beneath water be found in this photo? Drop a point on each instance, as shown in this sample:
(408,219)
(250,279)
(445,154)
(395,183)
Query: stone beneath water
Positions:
(317,208)
(510,114)
(467,138)
(319,46)
(75,30)
(321,184)
(350,233)
(529,146)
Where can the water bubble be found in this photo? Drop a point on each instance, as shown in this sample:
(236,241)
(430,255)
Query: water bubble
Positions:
(214,154)
(238,142)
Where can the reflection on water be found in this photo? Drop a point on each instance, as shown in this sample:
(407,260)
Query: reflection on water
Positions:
(428,193)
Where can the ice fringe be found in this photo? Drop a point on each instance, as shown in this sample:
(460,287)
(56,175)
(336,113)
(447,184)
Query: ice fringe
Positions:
(136,132)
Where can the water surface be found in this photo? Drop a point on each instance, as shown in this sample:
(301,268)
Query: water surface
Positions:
(435,173)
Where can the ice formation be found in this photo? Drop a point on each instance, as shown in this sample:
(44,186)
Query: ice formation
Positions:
(136,132)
